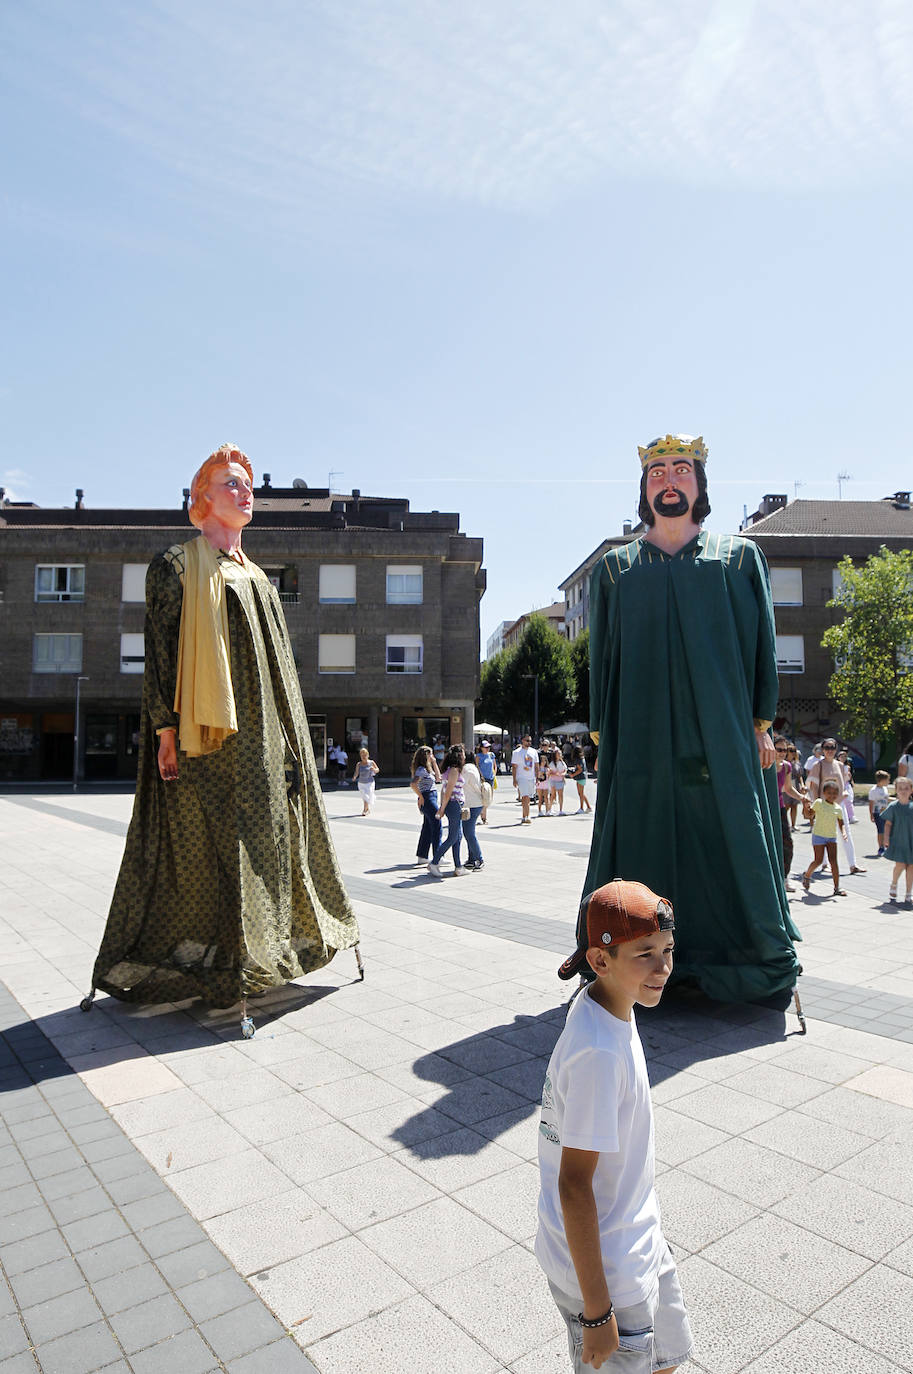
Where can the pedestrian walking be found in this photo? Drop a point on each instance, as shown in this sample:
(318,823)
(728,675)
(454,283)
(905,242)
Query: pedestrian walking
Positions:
(451,808)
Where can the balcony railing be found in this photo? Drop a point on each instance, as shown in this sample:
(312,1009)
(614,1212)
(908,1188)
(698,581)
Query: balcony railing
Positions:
(289,598)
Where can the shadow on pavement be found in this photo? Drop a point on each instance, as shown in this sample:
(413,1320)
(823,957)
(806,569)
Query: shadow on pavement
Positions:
(494,1078)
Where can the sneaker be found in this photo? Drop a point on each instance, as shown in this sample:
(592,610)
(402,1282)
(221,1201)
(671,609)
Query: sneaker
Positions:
(561,813)
(477,866)
(892,894)
(790,887)
(908,901)
(434,871)
(460,871)
(881,852)
(526,821)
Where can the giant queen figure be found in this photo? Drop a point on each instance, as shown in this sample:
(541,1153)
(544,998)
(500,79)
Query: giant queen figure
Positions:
(229,883)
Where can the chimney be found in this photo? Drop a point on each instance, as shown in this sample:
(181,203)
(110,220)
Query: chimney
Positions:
(626,527)
(266,479)
(79,495)
(186,498)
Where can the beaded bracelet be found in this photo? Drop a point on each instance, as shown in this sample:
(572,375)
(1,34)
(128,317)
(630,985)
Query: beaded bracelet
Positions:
(598,1321)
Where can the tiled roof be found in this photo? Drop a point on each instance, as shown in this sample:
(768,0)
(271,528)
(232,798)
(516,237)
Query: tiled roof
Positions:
(873,519)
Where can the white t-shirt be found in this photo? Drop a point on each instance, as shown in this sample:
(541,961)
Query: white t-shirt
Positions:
(526,761)
(879,797)
(597,1097)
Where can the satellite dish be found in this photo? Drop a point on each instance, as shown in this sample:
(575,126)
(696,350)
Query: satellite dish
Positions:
(299,482)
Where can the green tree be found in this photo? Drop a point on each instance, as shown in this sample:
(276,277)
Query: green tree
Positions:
(541,651)
(872,681)
(580,662)
(491,705)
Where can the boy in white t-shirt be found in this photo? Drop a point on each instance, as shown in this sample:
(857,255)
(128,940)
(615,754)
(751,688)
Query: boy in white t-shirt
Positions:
(599,1240)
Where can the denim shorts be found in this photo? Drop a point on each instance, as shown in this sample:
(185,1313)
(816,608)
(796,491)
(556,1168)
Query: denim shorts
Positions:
(652,1335)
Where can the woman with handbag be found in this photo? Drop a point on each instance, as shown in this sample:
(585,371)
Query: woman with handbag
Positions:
(452,808)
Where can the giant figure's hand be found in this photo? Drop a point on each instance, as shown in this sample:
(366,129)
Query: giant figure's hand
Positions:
(766,752)
(168,756)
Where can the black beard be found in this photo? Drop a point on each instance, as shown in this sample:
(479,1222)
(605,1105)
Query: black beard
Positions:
(671,509)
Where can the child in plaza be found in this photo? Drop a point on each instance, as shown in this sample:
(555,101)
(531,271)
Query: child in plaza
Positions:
(879,799)
(898,836)
(825,814)
(599,1240)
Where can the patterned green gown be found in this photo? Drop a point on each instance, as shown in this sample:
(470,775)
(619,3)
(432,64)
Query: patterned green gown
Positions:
(229,882)
(682,662)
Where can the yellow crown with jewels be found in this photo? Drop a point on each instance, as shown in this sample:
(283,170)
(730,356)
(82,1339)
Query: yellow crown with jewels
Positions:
(674,446)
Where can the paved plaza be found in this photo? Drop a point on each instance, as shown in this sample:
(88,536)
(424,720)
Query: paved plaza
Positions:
(354,1189)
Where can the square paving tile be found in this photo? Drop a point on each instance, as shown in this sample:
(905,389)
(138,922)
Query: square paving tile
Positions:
(731,1321)
(56,1316)
(717,1103)
(875,1312)
(79,1352)
(812,1348)
(504,1301)
(853,1216)
(238,1332)
(799,1136)
(679,1138)
(508,1200)
(149,1322)
(786,1261)
(185,1353)
(268,1233)
(434,1241)
(885,1168)
(372,1192)
(695,1213)
(317,1153)
(208,1190)
(456,1159)
(278,1118)
(387,1342)
(330,1289)
(750,1172)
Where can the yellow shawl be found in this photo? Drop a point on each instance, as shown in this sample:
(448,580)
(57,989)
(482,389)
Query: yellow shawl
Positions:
(203,696)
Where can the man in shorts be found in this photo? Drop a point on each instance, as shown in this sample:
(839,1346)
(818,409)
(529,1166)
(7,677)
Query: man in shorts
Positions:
(523,764)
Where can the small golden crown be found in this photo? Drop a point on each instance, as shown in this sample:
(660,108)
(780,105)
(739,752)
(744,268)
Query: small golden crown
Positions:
(673,445)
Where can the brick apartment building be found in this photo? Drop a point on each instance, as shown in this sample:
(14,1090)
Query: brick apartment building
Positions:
(382,605)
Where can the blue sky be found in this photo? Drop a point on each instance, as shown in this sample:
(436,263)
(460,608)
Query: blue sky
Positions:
(471,255)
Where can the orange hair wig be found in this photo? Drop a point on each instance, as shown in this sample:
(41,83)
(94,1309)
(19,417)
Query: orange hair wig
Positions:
(200,502)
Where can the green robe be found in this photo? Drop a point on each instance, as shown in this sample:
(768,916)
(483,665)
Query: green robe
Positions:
(229,882)
(682,662)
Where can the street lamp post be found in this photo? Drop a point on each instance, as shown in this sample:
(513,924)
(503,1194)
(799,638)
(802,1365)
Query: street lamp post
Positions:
(535,679)
(79,681)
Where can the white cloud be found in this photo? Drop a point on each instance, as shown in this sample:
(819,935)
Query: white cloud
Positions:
(15,483)
(506,104)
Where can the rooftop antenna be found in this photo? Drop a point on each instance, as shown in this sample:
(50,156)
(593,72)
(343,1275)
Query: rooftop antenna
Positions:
(841,478)
(796,486)
(330,477)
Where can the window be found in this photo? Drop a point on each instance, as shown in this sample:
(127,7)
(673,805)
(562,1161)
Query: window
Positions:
(133,582)
(786,586)
(60,582)
(57,654)
(790,654)
(337,583)
(404,584)
(431,730)
(336,653)
(837,581)
(404,653)
(132,653)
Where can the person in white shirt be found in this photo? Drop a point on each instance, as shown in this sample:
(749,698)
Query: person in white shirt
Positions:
(599,1240)
(523,764)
